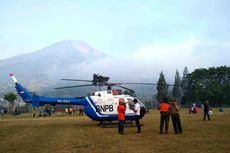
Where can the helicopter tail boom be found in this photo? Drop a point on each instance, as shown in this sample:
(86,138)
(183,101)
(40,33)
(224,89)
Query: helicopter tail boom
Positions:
(40,101)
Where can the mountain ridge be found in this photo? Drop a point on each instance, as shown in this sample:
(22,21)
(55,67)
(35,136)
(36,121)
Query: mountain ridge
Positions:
(47,64)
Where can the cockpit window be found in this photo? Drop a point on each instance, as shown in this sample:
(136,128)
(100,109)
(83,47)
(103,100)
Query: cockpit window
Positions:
(141,104)
(109,91)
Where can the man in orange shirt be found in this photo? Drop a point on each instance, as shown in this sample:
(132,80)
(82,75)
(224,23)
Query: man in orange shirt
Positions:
(121,116)
(164,111)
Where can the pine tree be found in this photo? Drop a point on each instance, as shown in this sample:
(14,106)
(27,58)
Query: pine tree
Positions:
(177,91)
(185,81)
(162,88)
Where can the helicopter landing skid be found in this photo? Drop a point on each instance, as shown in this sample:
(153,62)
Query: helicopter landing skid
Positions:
(115,124)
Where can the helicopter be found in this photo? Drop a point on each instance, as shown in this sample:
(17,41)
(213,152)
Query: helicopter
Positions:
(99,106)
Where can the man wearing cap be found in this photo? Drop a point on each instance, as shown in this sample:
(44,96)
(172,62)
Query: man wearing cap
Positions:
(137,110)
(121,115)
(174,111)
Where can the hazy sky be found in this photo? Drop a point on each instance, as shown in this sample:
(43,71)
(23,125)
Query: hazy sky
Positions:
(193,32)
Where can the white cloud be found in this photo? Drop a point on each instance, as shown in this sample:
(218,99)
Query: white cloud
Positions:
(193,53)
(146,63)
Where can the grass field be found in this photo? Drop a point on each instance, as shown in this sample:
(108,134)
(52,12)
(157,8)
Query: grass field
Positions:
(74,134)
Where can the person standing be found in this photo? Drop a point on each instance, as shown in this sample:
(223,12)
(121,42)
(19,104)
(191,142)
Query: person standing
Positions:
(81,110)
(66,111)
(164,119)
(174,111)
(34,113)
(137,109)
(206,110)
(121,116)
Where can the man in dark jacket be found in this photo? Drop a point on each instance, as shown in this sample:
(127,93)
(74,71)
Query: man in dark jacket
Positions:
(206,110)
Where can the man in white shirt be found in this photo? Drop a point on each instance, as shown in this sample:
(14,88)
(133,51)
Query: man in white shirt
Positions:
(137,110)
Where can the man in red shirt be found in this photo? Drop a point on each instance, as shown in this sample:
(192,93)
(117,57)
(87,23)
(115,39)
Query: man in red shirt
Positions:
(121,115)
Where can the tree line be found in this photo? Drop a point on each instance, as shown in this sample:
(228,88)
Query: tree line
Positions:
(202,84)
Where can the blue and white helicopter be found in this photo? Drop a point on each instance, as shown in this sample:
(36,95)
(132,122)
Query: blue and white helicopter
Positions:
(100,106)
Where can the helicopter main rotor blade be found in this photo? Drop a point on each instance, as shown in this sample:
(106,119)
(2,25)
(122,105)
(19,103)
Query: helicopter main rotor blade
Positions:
(141,83)
(77,80)
(154,84)
(124,87)
(74,86)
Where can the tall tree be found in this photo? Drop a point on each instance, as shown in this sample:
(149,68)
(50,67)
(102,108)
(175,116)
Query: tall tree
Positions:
(185,80)
(162,88)
(177,91)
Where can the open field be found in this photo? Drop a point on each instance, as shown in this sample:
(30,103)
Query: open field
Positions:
(72,134)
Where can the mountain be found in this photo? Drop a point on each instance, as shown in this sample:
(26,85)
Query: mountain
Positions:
(44,67)
(59,56)
(41,71)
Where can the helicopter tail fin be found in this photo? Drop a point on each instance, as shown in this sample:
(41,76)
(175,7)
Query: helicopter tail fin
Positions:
(24,93)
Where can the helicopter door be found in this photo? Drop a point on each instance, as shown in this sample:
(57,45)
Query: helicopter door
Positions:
(104,102)
(109,101)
